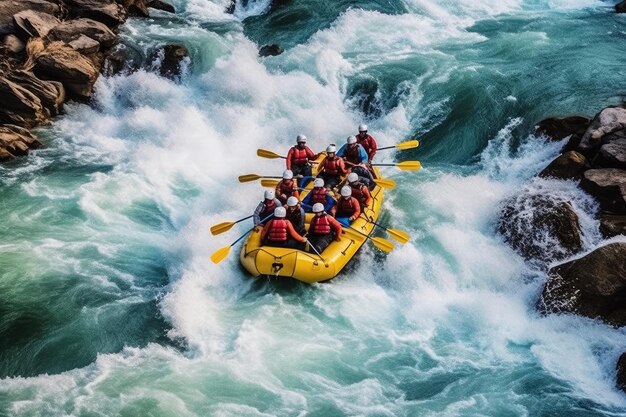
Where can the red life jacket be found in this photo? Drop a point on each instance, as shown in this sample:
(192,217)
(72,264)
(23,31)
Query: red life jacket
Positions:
(366,142)
(331,166)
(318,195)
(320,225)
(345,208)
(299,156)
(357,192)
(268,209)
(352,154)
(294,216)
(278,230)
(286,187)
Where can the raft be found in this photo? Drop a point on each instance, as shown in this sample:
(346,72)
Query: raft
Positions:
(260,260)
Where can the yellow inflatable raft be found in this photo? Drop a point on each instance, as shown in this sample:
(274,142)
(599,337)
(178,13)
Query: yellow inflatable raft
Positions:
(308,267)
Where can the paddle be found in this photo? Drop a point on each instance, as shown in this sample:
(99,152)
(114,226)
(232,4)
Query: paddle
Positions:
(264,153)
(386,183)
(226,226)
(404,166)
(220,254)
(399,235)
(254,177)
(318,254)
(410,144)
(379,242)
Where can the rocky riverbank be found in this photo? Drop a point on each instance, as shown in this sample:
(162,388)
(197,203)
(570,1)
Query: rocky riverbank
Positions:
(52,51)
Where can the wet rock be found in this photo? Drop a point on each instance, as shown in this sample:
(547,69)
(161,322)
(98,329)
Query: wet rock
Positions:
(135,7)
(10,7)
(85,45)
(33,24)
(271,50)
(169,60)
(5,155)
(107,12)
(51,93)
(621,7)
(161,5)
(558,129)
(121,59)
(609,120)
(569,165)
(540,228)
(60,62)
(13,44)
(593,286)
(612,155)
(16,141)
(608,186)
(72,30)
(612,224)
(19,106)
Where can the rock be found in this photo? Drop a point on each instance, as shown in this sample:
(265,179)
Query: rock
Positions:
(85,45)
(51,93)
(135,7)
(557,129)
(169,60)
(16,141)
(271,50)
(121,59)
(621,7)
(72,30)
(107,12)
(621,366)
(609,120)
(33,24)
(161,5)
(5,155)
(540,228)
(60,62)
(10,7)
(569,165)
(19,106)
(593,286)
(612,224)
(13,44)
(611,155)
(608,186)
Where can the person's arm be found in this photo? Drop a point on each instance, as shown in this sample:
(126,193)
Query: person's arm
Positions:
(373,147)
(289,156)
(257,214)
(342,151)
(342,167)
(357,209)
(337,227)
(265,230)
(366,193)
(309,154)
(292,232)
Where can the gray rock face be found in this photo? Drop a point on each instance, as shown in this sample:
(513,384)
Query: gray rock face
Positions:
(540,228)
(72,30)
(612,155)
(612,224)
(569,165)
(108,12)
(593,286)
(33,24)
(10,7)
(608,186)
(609,120)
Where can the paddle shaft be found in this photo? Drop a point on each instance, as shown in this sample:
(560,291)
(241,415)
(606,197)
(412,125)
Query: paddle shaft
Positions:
(246,234)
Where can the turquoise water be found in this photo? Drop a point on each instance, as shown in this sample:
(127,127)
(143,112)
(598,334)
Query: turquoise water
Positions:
(109,305)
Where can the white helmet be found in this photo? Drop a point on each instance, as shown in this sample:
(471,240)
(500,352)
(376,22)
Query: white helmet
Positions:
(301,138)
(288,174)
(269,195)
(353,177)
(318,208)
(319,182)
(351,139)
(346,191)
(292,201)
(331,149)
(280,212)
(362,127)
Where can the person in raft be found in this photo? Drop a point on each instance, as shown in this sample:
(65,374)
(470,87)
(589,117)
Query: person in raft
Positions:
(287,187)
(323,229)
(298,160)
(265,209)
(280,233)
(347,208)
(332,168)
(359,190)
(367,142)
(319,194)
(295,214)
(356,158)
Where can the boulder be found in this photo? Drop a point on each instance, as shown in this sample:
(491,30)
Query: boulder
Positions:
(108,12)
(60,62)
(33,24)
(609,120)
(51,93)
(169,60)
(5,155)
(540,228)
(19,106)
(10,7)
(13,44)
(121,58)
(557,129)
(72,30)
(16,141)
(593,286)
(612,224)
(135,7)
(271,50)
(161,5)
(621,7)
(569,165)
(85,45)
(611,155)
(608,186)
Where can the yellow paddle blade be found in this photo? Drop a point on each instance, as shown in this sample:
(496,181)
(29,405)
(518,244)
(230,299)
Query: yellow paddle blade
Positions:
(382,244)
(264,153)
(386,183)
(221,228)
(409,165)
(410,144)
(219,255)
(269,183)
(399,235)
(248,177)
